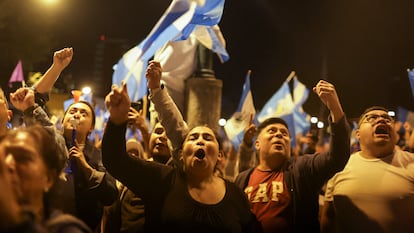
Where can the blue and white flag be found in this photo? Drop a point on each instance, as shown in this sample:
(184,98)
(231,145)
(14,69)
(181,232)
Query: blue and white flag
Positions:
(300,92)
(235,126)
(300,95)
(131,67)
(280,105)
(133,72)
(177,23)
(212,38)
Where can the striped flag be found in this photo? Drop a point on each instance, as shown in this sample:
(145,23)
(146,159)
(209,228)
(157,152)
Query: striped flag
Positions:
(301,118)
(177,23)
(280,105)
(235,126)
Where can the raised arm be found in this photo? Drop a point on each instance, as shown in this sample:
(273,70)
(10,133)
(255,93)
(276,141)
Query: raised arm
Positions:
(326,164)
(133,173)
(61,59)
(168,113)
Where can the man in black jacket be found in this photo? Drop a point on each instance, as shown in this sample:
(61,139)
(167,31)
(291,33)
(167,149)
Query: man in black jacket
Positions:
(283,190)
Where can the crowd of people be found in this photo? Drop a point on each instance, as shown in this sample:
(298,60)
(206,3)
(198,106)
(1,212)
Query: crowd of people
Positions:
(179,179)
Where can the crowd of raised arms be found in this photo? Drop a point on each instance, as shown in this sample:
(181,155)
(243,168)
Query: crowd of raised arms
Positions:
(179,179)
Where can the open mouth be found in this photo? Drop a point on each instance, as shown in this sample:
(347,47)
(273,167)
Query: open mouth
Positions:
(200,154)
(279,145)
(382,130)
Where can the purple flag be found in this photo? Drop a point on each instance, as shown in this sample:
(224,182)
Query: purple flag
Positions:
(17,75)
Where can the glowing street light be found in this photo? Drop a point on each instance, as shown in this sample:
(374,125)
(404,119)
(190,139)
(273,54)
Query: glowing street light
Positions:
(320,125)
(86,90)
(222,122)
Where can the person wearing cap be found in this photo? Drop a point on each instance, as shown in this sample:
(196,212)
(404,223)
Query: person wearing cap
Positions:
(283,189)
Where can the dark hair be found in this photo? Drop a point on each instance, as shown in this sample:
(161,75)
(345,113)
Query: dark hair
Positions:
(373,108)
(51,153)
(90,107)
(270,121)
(219,139)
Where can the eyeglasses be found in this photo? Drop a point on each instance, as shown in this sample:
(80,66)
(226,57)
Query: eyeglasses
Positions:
(371,118)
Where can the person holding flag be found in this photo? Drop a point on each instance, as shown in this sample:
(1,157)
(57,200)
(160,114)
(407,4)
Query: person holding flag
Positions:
(283,189)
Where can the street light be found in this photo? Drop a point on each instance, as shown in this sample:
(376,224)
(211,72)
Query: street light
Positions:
(222,122)
(50,2)
(86,90)
(320,125)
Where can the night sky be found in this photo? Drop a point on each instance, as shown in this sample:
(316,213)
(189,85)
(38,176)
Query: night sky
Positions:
(363,47)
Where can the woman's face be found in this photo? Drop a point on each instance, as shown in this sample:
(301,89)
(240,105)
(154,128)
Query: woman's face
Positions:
(29,176)
(200,150)
(78,116)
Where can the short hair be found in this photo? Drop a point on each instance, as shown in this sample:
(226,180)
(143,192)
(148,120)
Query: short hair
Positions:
(270,121)
(367,110)
(90,107)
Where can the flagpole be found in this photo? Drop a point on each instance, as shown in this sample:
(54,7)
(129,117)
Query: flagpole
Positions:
(291,75)
(249,72)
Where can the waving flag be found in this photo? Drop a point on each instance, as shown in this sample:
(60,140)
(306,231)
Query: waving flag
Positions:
(301,118)
(133,72)
(17,75)
(177,23)
(280,105)
(235,126)
(212,38)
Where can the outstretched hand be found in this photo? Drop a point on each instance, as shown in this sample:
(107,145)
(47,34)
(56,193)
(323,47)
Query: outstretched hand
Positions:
(117,102)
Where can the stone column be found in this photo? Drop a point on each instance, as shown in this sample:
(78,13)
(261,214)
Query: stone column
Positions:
(203,93)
